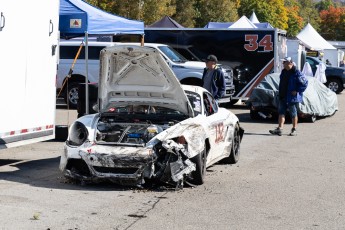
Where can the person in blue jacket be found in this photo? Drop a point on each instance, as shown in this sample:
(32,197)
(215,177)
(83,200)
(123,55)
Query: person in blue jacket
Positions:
(213,78)
(291,87)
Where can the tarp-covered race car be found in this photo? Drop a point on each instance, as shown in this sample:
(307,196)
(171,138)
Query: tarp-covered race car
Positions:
(318,100)
(149,127)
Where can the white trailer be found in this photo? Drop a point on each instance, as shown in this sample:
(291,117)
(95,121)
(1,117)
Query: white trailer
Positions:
(296,50)
(28,65)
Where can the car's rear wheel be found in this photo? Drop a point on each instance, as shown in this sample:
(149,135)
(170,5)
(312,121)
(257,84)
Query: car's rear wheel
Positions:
(334,85)
(235,147)
(198,176)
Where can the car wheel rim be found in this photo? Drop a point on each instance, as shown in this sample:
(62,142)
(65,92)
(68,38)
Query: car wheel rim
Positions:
(73,96)
(333,86)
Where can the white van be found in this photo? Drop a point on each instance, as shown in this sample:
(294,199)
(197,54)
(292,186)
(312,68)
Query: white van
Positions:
(188,72)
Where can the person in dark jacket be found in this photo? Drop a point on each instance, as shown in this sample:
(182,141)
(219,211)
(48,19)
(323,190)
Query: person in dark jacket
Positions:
(291,87)
(213,78)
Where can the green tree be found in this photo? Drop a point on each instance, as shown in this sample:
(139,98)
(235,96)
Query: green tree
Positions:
(106,5)
(295,22)
(129,8)
(309,13)
(324,5)
(342,31)
(272,11)
(185,13)
(221,11)
(290,3)
(153,10)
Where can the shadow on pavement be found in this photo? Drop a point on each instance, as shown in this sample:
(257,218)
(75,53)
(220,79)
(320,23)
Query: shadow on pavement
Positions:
(45,173)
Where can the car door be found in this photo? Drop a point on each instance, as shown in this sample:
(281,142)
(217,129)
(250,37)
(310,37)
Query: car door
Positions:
(216,128)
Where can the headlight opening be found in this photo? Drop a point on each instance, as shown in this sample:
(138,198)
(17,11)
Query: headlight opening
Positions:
(78,134)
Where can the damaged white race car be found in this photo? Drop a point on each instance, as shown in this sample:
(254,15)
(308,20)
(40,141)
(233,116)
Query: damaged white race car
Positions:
(149,127)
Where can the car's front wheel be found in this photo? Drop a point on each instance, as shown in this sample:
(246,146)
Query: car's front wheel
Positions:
(335,85)
(197,177)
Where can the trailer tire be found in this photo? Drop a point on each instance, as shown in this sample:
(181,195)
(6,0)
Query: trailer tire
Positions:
(61,132)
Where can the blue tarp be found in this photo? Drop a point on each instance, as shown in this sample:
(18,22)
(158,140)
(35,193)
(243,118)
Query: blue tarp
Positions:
(227,24)
(78,17)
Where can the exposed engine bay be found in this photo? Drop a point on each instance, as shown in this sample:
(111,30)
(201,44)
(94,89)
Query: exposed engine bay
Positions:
(113,132)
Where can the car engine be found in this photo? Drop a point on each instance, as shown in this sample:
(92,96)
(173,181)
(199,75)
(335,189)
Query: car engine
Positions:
(114,132)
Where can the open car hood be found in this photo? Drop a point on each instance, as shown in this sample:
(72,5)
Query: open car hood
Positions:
(138,75)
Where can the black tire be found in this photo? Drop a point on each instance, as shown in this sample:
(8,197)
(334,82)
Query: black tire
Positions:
(334,85)
(233,101)
(71,96)
(235,148)
(254,114)
(312,118)
(61,132)
(198,176)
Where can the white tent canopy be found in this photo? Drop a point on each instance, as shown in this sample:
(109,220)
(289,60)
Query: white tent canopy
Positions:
(312,39)
(243,22)
(253,18)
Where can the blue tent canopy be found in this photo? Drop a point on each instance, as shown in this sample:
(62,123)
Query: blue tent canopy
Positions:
(78,17)
(227,24)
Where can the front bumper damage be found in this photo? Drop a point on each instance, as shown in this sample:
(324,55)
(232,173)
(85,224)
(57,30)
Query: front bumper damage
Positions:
(166,163)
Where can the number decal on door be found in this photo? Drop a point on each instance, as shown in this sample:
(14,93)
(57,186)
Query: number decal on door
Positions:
(265,43)
(219,133)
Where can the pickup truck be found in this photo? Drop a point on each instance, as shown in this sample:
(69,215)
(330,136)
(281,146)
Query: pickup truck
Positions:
(335,75)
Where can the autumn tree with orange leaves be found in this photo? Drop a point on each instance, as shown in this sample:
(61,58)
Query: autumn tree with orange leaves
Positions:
(332,23)
(295,21)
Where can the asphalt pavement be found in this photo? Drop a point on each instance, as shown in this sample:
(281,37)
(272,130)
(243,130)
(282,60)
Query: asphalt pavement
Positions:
(279,183)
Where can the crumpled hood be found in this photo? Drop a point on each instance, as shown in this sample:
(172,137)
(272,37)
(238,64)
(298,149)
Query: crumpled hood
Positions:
(138,75)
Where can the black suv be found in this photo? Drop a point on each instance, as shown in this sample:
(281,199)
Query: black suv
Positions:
(335,75)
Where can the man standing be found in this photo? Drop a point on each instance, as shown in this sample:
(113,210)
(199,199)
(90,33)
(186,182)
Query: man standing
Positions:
(213,78)
(291,87)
